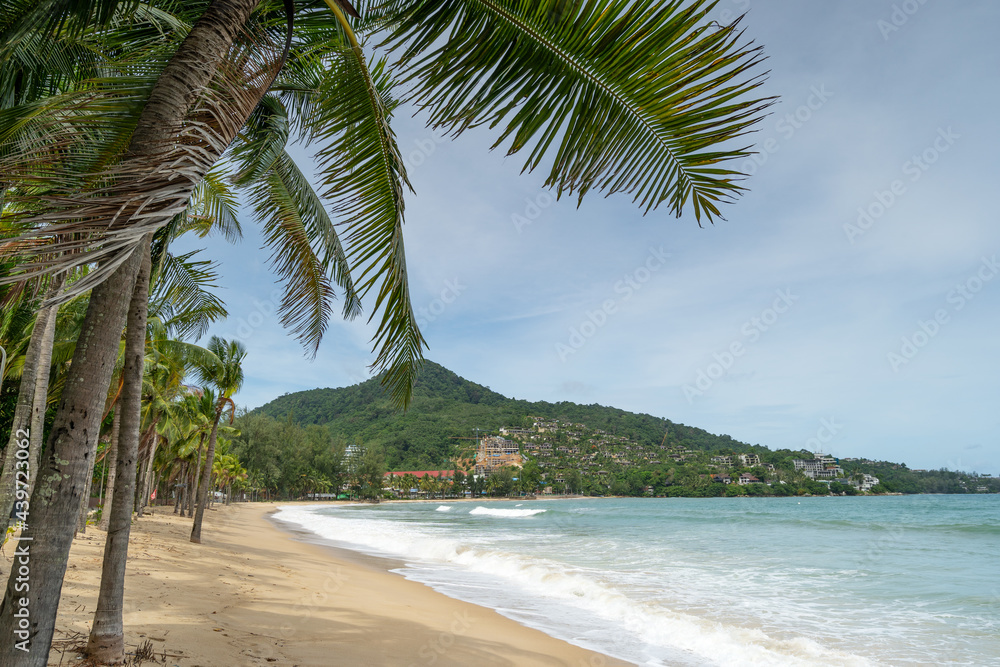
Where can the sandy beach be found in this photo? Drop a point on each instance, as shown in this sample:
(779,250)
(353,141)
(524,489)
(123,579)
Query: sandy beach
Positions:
(255,594)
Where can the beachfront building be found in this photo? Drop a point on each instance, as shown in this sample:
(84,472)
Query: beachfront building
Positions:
(747,478)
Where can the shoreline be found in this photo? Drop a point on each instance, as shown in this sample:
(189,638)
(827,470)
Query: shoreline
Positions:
(256,593)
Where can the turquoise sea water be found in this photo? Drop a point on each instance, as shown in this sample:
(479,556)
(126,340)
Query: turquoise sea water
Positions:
(902,580)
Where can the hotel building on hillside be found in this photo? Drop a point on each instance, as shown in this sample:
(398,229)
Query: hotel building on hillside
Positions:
(495,452)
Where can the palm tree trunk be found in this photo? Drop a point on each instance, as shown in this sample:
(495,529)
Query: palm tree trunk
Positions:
(192,490)
(194,481)
(31,402)
(139,483)
(152,481)
(142,489)
(40,400)
(81,524)
(106,643)
(111,463)
(179,490)
(56,497)
(187,488)
(206,475)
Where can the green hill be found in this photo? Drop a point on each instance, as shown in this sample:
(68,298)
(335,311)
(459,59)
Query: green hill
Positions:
(446,405)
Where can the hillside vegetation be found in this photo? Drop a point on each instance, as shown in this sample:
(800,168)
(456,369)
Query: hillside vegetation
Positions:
(341,439)
(446,405)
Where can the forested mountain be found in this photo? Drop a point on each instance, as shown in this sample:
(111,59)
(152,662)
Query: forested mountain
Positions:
(446,405)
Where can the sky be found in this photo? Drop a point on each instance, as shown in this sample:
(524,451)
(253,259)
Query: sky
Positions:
(849,303)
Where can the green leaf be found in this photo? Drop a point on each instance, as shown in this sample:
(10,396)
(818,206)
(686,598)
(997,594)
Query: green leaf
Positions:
(363,175)
(635,96)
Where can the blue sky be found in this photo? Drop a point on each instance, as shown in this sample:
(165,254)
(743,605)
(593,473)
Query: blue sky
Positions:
(850,302)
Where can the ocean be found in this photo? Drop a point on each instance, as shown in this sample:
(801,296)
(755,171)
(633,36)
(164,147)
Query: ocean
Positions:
(891,580)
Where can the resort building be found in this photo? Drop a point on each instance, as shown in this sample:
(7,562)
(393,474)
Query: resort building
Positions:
(749,460)
(821,467)
(495,452)
(865,483)
(516,431)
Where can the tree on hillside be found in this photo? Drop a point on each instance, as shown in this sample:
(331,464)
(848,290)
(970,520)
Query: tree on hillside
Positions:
(530,477)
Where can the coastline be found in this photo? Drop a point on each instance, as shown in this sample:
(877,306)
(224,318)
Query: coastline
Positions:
(255,593)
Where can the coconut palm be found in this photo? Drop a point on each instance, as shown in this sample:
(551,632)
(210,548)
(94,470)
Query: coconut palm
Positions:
(29,415)
(185,425)
(204,415)
(166,361)
(227,377)
(228,471)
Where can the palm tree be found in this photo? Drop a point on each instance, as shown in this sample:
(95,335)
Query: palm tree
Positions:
(185,426)
(228,470)
(409,483)
(29,415)
(106,642)
(227,377)
(428,485)
(167,362)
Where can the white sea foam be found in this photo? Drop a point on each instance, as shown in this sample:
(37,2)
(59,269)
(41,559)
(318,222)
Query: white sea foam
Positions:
(510,513)
(568,601)
(443,508)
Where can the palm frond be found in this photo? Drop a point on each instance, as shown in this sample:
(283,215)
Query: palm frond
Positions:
(213,207)
(637,96)
(227,376)
(276,200)
(20,19)
(190,355)
(363,176)
(262,142)
(183,295)
(103,222)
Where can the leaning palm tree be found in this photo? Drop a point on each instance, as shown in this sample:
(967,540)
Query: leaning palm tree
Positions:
(31,403)
(227,377)
(164,364)
(621,96)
